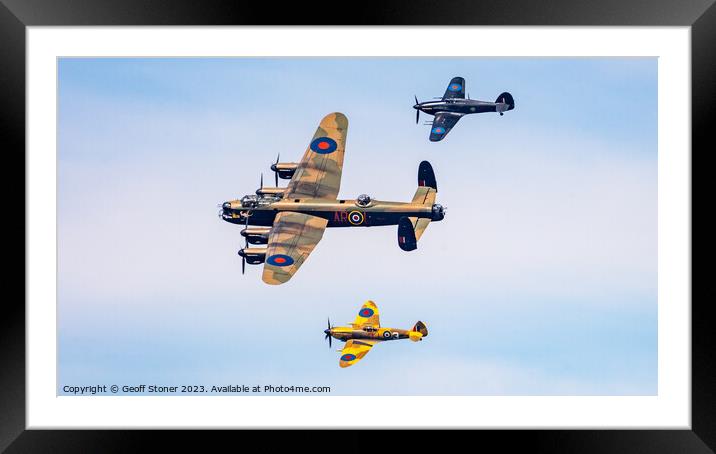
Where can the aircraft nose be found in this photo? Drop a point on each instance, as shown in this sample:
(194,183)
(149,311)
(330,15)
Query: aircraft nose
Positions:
(416,106)
(327,331)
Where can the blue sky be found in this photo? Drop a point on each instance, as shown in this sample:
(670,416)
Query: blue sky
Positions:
(542,279)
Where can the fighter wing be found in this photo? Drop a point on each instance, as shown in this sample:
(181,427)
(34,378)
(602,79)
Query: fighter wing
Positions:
(292,238)
(367,315)
(455,89)
(443,123)
(318,175)
(354,351)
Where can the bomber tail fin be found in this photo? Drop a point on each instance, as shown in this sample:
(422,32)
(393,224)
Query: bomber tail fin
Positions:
(427,185)
(410,229)
(426,176)
(407,240)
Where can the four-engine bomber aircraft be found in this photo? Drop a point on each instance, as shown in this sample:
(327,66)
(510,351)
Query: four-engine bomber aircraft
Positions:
(453,105)
(366,331)
(291,220)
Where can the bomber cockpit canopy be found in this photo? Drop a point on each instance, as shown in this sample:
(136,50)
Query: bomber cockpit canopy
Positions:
(249,201)
(363,200)
(253,201)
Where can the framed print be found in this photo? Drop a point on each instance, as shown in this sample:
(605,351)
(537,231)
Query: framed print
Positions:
(197,183)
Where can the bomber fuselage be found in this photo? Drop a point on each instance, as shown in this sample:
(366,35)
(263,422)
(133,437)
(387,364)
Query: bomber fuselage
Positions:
(339,213)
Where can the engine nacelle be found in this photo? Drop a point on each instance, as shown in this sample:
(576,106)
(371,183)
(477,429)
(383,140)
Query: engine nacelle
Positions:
(256,235)
(285,170)
(253,255)
(415,336)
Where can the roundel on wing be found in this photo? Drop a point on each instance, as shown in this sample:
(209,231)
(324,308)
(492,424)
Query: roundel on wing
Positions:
(438,130)
(366,312)
(455,87)
(356,217)
(348,357)
(280,260)
(323,145)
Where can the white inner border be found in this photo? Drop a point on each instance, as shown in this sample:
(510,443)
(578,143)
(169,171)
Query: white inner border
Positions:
(669,409)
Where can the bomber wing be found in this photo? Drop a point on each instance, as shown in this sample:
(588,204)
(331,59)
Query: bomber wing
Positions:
(443,123)
(354,351)
(292,238)
(367,315)
(318,175)
(455,89)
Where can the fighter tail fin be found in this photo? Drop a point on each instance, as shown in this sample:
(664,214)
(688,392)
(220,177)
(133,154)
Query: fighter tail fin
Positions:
(421,328)
(506,98)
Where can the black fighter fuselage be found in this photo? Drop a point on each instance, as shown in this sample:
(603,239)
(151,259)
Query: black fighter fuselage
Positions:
(456,105)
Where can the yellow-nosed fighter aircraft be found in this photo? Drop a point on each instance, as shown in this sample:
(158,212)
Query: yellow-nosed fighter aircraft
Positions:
(366,331)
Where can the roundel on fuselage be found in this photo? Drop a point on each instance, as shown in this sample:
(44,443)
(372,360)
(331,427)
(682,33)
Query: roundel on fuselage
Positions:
(356,217)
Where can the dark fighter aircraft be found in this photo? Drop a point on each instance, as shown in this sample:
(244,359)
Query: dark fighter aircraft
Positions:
(290,221)
(453,105)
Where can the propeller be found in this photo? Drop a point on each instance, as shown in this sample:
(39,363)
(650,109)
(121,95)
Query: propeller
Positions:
(328,333)
(261,182)
(273,167)
(246,244)
(417,111)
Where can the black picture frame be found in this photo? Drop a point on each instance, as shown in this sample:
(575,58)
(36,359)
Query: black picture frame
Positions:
(16,15)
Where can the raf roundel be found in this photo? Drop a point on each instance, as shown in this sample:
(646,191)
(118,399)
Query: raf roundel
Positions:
(455,87)
(324,145)
(348,357)
(366,312)
(439,130)
(355,217)
(280,260)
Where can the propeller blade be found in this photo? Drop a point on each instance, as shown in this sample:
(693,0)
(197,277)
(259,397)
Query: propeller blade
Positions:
(417,116)
(261,181)
(416,99)
(330,343)
(275,171)
(243,265)
(329,323)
